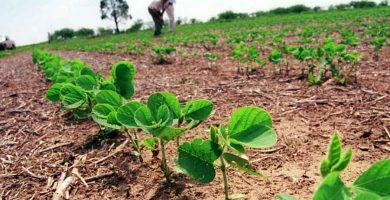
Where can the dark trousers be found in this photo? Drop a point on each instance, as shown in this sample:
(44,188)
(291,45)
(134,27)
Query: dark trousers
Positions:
(158,22)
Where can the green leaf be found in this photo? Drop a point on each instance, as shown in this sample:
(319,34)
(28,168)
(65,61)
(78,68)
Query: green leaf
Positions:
(213,135)
(198,109)
(88,71)
(332,187)
(164,98)
(365,195)
(123,75)
(108,84)
(163,115)
(166,133)
(246,117)
(236,147)
(53,93)
(113,121)
(150,143)
(196,159)
(125,114)
(110,121)
(334,151)
(344,161)
(108,97)
(325,168)
(285,197)
(81,113)
(256,136)
(222,130)
(73,96)
(143,118)
(102,110)
(240,163)
(375,180)
(86,82)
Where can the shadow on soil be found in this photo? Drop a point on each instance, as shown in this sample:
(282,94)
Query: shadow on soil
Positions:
(95,141)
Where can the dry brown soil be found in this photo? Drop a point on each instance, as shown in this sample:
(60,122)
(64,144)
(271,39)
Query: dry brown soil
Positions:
(304,117)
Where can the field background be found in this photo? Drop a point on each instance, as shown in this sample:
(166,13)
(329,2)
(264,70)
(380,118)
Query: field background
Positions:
(304,115)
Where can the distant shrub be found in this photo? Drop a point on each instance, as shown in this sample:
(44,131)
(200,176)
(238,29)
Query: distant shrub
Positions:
(65,33)
(332,7)
(179,21)
(292,9)
(258,13)
(298,8)
(230,15)
(362,4)
(105,31)
(136,26)
(317,9)
(384,3)
(343,6)
(194,21)
(85,32)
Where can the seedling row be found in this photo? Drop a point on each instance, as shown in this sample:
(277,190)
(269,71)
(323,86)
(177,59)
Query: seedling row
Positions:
(109,102)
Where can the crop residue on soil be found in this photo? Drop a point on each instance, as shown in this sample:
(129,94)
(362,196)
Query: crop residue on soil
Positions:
(38,141)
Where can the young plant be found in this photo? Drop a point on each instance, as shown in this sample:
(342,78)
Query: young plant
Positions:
(109,103)
(349,37)
(165,119)
(352,58)
(253,57)
(211,57)
(379,42)
(304,55)
(76,89)
(248,127)
(331,53)
(248,57)
(161,53)
(374,183)
(135,49)
(238,55)
(276,58)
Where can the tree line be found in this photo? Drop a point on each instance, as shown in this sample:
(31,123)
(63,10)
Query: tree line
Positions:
(118,12)
(300,8)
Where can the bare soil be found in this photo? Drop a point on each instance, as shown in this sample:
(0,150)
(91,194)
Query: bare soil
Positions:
(304,117)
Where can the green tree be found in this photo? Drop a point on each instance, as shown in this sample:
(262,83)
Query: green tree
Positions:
(116,10)
(104,31)
(363,4)
(85,32)
(65,33)
(384,3)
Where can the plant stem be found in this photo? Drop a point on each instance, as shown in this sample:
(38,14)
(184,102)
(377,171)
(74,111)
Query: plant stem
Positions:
(225,179)
(178,141)
(164,165)
(178,137)
(134,142)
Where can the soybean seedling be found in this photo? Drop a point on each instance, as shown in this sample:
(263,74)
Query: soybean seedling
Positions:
(110,101)
(211,57)
(165,119)
(379,42)
(276,59)
(374,183)
(248,127)
(161,53)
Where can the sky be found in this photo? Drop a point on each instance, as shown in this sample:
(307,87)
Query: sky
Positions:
(29,21)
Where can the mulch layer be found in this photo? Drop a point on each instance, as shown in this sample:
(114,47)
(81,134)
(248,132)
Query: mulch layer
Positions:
(39,141)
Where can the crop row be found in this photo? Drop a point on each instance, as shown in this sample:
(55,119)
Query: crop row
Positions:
(108,101)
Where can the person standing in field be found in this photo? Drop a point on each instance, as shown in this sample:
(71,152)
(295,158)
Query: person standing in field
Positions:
(171,14)
(156,10)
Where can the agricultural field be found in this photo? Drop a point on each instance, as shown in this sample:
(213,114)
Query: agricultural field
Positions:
(258,108)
